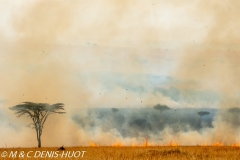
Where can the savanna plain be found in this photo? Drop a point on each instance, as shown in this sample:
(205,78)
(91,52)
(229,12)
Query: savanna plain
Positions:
(138,152)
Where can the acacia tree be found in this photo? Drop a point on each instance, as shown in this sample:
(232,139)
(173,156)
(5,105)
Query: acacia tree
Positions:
(38,112)
(161,107)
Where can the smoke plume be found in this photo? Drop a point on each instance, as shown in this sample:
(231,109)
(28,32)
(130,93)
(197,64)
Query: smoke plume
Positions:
(111,62)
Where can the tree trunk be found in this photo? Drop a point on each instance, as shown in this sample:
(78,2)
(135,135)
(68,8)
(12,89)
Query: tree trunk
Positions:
(39,138)
(39,142)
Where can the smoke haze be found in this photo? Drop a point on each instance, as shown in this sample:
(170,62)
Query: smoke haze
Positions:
(125,55)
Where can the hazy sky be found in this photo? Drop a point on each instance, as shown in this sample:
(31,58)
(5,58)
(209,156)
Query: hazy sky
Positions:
(120,53)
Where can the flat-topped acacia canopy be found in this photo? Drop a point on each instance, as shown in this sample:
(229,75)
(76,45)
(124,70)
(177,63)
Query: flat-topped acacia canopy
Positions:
(38,112)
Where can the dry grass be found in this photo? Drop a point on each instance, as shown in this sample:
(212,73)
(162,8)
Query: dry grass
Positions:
(143,153)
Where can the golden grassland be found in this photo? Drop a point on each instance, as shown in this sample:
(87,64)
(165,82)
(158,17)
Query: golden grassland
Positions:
(138,153)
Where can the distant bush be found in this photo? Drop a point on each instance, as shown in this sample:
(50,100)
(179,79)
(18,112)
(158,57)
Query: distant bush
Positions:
(115,109)
(161,107)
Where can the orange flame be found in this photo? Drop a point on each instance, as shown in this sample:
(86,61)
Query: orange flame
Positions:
(134,145)
(146,142)
(236,144)
(117,143)
(206,144)
(218,144)
(92,144)
(172,143)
